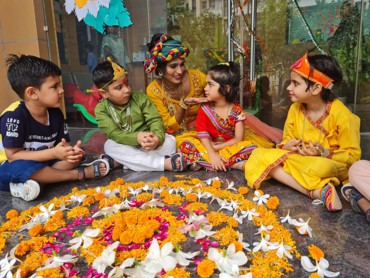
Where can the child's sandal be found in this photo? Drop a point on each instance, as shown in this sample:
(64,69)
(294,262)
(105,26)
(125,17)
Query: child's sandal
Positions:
(97,173)
(354,197)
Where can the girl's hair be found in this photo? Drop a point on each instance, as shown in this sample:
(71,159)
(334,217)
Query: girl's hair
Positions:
(228,76)
(330,67)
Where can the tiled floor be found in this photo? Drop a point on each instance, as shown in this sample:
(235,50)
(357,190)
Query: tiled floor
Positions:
(343,236)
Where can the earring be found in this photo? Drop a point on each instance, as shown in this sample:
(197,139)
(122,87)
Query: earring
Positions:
(160,74)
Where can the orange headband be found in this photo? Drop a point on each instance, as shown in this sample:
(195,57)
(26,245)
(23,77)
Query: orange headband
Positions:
(302,67)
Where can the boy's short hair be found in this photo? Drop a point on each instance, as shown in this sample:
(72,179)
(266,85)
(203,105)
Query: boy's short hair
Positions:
(27,70)
(102,74)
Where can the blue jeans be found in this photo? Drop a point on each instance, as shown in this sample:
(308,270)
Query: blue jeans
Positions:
(19,171)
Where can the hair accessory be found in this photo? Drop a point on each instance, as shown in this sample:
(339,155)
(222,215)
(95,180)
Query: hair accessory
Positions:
(118,72)
(303,68)
(164,51)
(225,63)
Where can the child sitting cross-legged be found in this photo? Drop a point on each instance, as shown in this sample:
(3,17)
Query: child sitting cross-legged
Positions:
(34,142)
(135,131)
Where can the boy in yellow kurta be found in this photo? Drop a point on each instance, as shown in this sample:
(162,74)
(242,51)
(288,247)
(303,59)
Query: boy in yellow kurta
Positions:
(321,136)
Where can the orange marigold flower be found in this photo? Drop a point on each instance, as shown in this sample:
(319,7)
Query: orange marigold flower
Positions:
(315,252)
(22,248)
(163,180)
(314,275)
(51,273)
(11,214)
(177,273)
(273,202)
(191,197)
(2,243)
(206,268)
(99,196)
(216,183)
(164,193)
(88,201)
(238,246)
(195,181)
(125,237)
(243,190)
(78,211)
(36,230)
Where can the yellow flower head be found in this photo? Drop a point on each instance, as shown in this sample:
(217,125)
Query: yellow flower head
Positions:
(206,268)
(315,252)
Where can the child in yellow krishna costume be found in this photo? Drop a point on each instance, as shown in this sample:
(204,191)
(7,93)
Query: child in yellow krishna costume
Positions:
(321,136)
(178,94)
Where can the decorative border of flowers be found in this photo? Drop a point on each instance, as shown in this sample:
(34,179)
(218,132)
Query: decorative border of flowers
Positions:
(156,229)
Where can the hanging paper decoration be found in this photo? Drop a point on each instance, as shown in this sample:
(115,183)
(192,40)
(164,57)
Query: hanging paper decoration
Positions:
(312,37)
(97,13)
(84,7)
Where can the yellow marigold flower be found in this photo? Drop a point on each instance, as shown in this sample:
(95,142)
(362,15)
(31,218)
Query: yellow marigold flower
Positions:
(196,206)
(206,268)
(314,275)
(2,243)
(22,248)
(99,196)
(58,215)
(11,214)
(238,246)
(138,237)
(164,193)
(243,190)
(163,180)
(34,260)
(226,236)
(315,252)
(261,192)
(273,202)
(195,181)
(54,224)
(36,230)
(216,218)
(78,211)
(51,273)
(177,273)
(191,197)
(125,237)
(88,201)
(144,197)
(232,222)
(173,200)
(216,183)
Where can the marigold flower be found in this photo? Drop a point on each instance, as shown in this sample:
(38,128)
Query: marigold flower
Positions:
(163,180)
(191,197)
(11,214)
(2,243)
(77,212)
(88,201)
(177,273)
(99,196)
(206,268)
(216,183)
(36,230)
(243,190)
(273,202)
(315,252)
(314,275)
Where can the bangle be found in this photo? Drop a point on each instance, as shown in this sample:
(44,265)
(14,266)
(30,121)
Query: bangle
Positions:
(183,104)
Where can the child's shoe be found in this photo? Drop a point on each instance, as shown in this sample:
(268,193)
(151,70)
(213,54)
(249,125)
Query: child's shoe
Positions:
(28,191)
(330,198)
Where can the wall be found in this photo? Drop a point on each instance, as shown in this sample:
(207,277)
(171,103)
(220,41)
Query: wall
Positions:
(22,32)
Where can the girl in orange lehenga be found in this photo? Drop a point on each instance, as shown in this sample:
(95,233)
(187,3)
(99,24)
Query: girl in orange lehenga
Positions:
(321,136)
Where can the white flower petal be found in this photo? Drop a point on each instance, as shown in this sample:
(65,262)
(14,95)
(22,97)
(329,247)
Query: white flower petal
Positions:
(307,264)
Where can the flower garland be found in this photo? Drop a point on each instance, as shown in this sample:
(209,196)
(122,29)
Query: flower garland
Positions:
(184,228)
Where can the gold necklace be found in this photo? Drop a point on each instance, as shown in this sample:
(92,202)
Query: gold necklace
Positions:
(176,92)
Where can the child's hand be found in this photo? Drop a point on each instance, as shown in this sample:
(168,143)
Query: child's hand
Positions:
(310,150)
(148,140)
(292,145)
(78,153)
(63,151)
(217,162)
